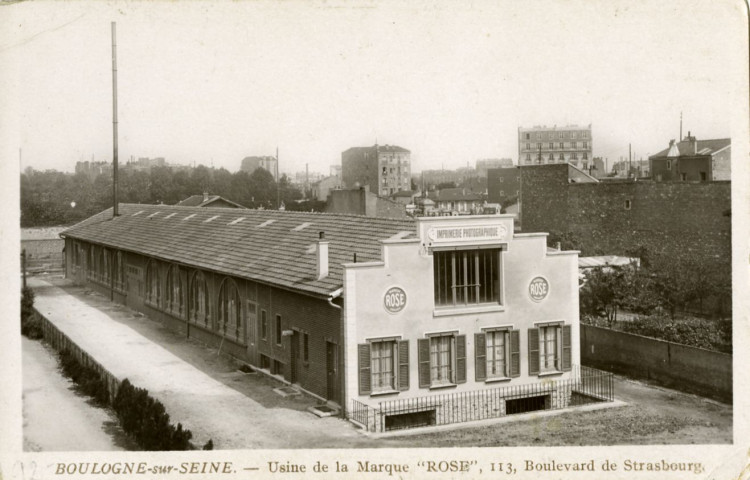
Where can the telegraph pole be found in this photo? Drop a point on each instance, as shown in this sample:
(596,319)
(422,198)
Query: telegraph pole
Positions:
(114,119)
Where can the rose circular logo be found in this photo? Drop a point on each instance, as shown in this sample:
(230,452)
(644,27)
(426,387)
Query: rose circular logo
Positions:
(394,300)
(538,289)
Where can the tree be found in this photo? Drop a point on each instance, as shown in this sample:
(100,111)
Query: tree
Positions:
(263,188)
(605,291)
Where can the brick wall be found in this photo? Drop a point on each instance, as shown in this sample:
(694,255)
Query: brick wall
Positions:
(675,219)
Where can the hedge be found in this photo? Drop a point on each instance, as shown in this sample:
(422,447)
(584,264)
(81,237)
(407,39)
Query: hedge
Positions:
(31,327)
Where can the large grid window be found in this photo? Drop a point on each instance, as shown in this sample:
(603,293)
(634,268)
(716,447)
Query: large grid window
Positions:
(467,277)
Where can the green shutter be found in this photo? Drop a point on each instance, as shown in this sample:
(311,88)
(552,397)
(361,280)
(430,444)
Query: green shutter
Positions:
(460,358)
(365,380)
(515,353)
(533,351)
(403,365)
(480,357)
(423,351)
(566,350)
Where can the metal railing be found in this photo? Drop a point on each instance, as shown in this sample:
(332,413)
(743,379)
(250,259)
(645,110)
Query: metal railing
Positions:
(586,386)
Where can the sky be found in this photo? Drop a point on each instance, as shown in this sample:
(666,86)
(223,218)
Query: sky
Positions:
(213,82)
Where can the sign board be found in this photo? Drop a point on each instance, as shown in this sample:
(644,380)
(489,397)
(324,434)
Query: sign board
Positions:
(471,233)
(394,300)
(538,289)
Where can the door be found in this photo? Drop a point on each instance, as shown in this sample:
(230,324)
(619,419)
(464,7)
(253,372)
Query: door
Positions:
(294,360)
(332,362)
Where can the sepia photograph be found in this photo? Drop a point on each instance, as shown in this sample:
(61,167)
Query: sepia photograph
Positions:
(375,239)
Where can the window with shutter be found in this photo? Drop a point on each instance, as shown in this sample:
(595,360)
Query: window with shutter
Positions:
(566,349)
(365,387)
(533,351)
(480,357)
(460,375)
(403,365)
(423,353)
(515,353)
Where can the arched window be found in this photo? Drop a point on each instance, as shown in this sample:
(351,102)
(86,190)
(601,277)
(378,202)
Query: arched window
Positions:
(199,308)
(229,320)
(104,265)
(153,284)
(119,269)
(175,292)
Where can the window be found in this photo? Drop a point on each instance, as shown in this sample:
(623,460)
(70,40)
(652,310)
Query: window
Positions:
(228,308)
(585,144)
(585,155)
(528,136)
(551,157)
(277,329)
(442,360)
(584,134)
(683,176)
(383,366)
(153,284)
(528,146)
(562,145)
(572,134)
(562,157)
(538,146)
(574,156)
(551,145)
(119,271)
(263,325)
(199,309)
(549,349)
(669,164)
(539,136)
(175,292)
(466,277)
(560,135)
(528,157)
(627,204)
(573,144)
(703,176)
(497,354)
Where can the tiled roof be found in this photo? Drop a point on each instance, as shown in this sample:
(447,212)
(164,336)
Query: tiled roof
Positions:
(268,246)
(712,146)
(197,201)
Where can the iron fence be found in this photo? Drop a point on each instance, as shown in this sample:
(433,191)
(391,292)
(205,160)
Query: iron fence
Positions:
(585,386)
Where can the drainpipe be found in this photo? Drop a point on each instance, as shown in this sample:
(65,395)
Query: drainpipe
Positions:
(335,295)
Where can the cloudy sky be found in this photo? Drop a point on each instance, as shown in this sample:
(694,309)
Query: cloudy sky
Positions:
(213,82)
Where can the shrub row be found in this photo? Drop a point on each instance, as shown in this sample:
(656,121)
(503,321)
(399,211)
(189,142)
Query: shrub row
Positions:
(695,332)
(31,326)
(140,415)
(87,379)
(146,419)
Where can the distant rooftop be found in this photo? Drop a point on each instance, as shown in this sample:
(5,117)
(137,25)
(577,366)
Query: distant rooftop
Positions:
(205,201)
(684,147)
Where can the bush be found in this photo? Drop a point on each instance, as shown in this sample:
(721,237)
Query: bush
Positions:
(31,327)
(87,379)
(695,332)
(146,420)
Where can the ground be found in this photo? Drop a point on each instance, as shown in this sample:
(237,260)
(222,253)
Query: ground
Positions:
(652,415)
(55,417)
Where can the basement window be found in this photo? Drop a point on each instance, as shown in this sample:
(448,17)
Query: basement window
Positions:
(527,404)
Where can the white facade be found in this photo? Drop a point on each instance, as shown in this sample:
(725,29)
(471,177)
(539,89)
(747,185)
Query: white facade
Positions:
(403,314)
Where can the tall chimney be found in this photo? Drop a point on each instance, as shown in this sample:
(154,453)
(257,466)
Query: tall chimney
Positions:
(322,256)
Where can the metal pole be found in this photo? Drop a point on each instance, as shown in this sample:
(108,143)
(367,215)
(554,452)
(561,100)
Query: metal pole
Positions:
(114,119)
(630,159)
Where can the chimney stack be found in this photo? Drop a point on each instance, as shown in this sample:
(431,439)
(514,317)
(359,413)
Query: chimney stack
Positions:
(322,256)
